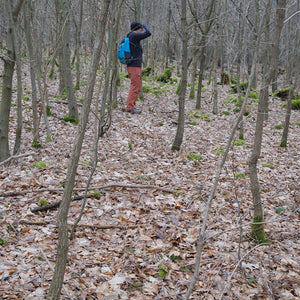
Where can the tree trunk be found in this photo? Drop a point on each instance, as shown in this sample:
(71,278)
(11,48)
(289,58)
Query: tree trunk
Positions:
(293,70)
(153,40)
(77,49)
(66,81)
(266,54)
(8,71)
(204,31)
(167,46)
(63,242)
(201,71)
(17,44)
(215,63)
(184,35)
(284,137)
(194,62)
(242,21)
(201,237)
(33,74)
(258,232)
(137,10)
(115,73)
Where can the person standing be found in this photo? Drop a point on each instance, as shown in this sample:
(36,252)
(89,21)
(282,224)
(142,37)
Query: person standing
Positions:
(134,68)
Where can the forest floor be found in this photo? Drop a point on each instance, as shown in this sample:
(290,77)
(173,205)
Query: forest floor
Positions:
(137,240)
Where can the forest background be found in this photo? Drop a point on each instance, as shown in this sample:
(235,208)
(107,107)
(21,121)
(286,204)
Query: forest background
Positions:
(197,197)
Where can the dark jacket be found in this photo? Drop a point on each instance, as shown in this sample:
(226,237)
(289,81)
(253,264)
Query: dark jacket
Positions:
(135,46)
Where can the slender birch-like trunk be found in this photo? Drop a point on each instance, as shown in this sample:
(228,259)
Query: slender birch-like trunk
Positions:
(62,216)
(258,231)
(184,35)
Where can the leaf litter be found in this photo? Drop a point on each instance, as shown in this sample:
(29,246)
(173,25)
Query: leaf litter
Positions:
(152,254)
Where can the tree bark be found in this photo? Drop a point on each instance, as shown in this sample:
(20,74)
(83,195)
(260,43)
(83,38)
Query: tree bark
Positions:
(194,62)
(66,81)
(258,232)
(167,46)
(78,44)
(33,74)
(215,62)
(201,237)
(293,71)
(241,30)
(8,71)
(204,36)
(17,43)
(63,241)
(184,35)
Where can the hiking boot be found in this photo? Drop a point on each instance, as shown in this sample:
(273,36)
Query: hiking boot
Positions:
(135,111)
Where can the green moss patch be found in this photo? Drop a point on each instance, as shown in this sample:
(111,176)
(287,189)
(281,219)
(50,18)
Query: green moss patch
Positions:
(165,76)
(71,119)
(258,230)
(39,164)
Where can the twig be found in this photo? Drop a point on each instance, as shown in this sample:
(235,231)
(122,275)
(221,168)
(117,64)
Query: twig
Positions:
(15,156)
(230,278)
(54,205)
(45,223)
(52,269)
(28,222)
(244,225)
(103,187)
(201,237)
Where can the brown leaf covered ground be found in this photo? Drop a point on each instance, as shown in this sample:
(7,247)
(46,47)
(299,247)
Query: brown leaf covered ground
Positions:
(149,252)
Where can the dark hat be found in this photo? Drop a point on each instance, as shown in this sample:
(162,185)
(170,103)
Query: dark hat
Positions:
(135,26)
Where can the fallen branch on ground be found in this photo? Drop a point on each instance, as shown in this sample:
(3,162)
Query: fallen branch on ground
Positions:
(103,187)
(15,156)
(54,205)
(45,223)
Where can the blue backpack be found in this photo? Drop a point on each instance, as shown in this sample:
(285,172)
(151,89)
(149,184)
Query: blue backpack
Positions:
(124,54)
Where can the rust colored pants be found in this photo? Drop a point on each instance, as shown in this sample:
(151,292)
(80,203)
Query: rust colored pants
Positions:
(135,86)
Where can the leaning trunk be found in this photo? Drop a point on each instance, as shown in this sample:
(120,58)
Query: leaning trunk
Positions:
(258,232)
(63,242)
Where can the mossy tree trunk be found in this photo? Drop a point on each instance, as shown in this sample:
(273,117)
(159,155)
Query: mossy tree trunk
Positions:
(184,35)
(258,231)
(62,216)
